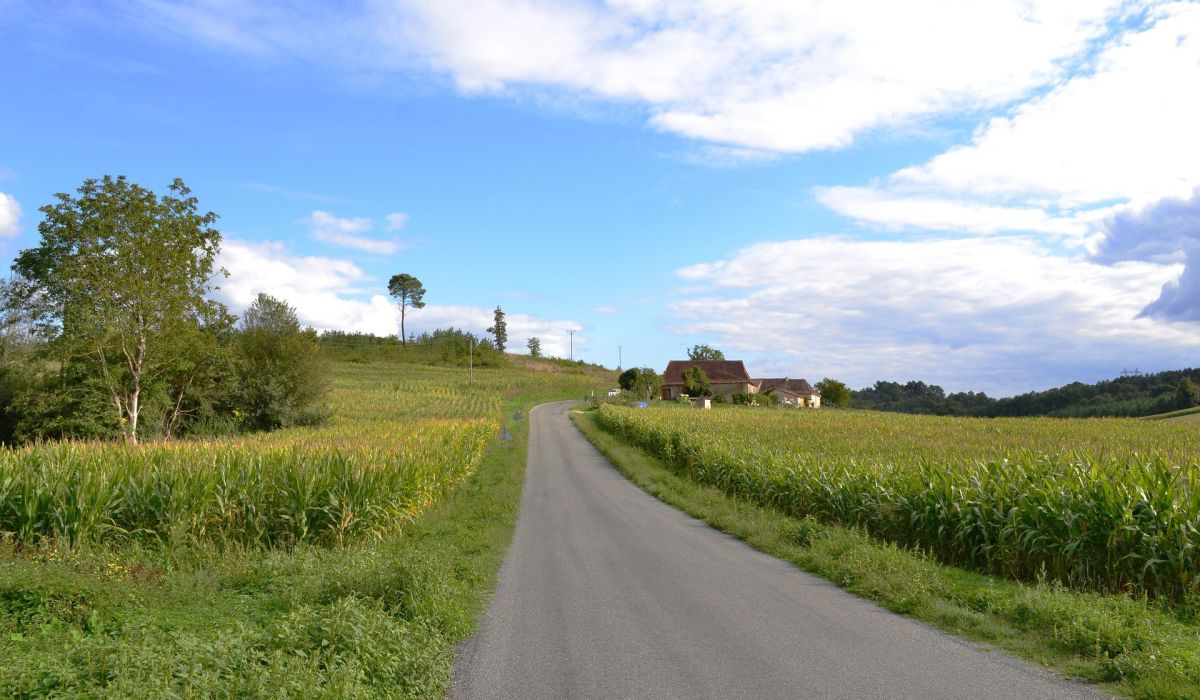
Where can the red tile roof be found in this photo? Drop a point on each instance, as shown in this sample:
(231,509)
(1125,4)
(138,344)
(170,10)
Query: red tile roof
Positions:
(718,371)
(800,387)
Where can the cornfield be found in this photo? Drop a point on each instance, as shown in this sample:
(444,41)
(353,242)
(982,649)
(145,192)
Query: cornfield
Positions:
(401,437)
(1102,504)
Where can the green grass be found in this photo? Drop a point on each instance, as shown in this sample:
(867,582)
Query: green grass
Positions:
(1133,647)
(1184,413)
(373,618)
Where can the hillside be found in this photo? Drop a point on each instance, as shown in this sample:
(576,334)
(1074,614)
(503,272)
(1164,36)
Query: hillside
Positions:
(1130,396)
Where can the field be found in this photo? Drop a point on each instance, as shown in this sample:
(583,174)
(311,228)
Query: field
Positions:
(341,561)
(1100,504)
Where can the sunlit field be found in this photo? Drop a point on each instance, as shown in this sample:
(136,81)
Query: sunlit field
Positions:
(342,561)
(1102,504)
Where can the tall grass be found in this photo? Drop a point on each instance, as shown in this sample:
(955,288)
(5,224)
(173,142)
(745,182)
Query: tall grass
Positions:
(399,440)
(1108,505)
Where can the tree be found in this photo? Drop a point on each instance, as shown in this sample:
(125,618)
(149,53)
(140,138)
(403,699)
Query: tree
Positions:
(119,271)
(704,352)
(695,382)
(409,291)
(1187,393)
(535,347)
(499,329)
(281,378)
(628,379)
(833,392)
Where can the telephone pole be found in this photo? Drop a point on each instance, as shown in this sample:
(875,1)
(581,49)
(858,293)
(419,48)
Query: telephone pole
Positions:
(571,331)
(620,357)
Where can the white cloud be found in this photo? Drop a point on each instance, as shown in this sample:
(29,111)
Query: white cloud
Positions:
(326,293)
(605,310)
(10,215)
(893,211)
(772,76)
(396,220)
(1124,132)
(1000,314)
(344,232)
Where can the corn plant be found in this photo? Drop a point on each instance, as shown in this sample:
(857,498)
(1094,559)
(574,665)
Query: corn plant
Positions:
(1102,504)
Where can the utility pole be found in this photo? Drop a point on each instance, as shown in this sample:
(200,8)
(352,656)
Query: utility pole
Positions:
(471,357)
(571,331)
(620,358)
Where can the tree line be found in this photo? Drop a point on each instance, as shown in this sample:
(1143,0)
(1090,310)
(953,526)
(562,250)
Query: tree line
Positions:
(1131,396)
(109,330)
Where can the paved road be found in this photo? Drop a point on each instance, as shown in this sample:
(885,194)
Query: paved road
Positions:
(608,593)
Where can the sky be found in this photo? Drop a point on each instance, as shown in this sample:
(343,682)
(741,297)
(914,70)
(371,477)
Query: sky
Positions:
(996,196)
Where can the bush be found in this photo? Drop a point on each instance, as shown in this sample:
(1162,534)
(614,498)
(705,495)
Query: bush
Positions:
(282,379)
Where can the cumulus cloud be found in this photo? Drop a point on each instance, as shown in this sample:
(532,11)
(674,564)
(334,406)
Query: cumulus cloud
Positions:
(10,215)
(1121,132)
(1000,314)
(328,295)
(1166,231)
(345,233)
(782,77)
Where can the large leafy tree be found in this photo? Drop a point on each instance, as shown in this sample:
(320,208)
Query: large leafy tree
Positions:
(499,329)
(833,392)
(704,352)
(408,292)
(120,274)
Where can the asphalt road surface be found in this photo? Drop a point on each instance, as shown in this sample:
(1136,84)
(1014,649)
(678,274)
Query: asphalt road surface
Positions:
(608,593)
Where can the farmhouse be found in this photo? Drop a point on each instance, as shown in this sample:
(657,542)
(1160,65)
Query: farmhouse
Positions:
(791,392)
(724,376)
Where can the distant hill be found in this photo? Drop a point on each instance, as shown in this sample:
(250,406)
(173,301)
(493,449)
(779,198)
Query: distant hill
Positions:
(1137,395)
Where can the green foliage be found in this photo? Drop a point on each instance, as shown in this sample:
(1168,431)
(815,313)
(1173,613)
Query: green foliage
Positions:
(499,329)
(643,382)
(444,346)
(1187,394)
(1130,396)
(834,393)
(282,380)
(535,347)
(695,382)
(120,275)
(408,290)
(1104,505)
(704,352)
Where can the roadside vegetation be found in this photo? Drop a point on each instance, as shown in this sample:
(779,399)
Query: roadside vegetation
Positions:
(1137,645)
(1106,505)
(342,561)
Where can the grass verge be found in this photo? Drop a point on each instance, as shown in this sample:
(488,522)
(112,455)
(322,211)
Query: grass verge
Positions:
(1181,413)
(374,619)
(1131,647)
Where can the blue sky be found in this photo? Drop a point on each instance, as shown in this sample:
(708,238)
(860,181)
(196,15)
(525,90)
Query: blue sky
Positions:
(853,191)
